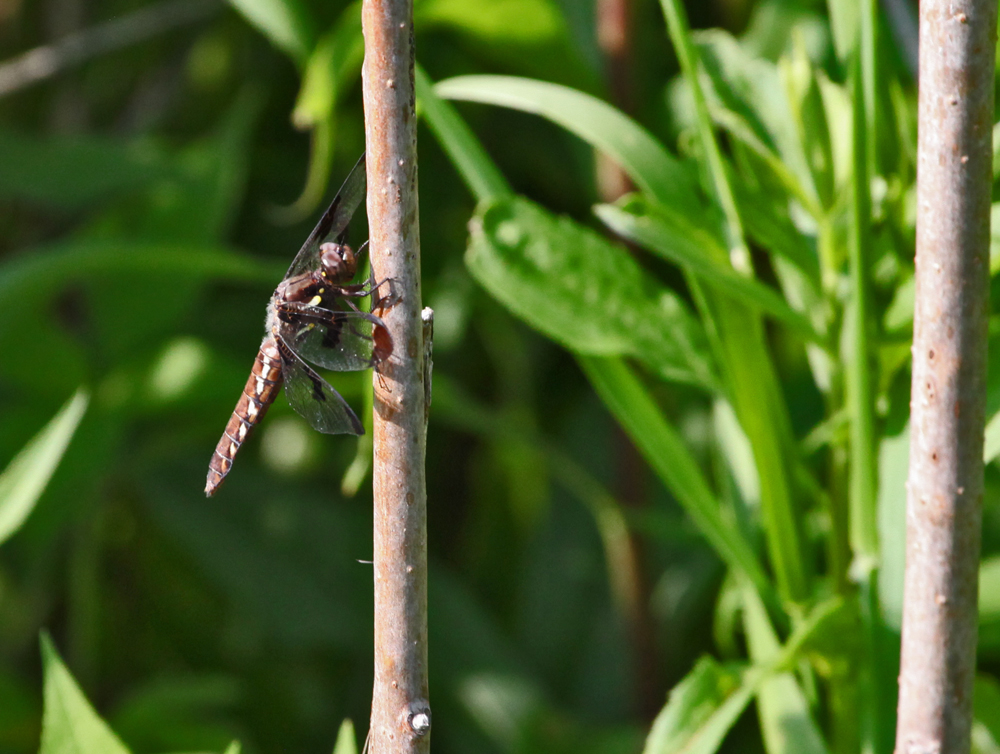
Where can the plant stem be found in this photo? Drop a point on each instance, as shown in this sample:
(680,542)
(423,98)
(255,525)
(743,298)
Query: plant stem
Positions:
(945,487)
(400,720)
(75,48)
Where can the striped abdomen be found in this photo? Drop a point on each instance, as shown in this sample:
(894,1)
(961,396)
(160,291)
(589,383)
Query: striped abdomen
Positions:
(260,391)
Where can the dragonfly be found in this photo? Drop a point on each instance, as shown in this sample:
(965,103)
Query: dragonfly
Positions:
(312,317)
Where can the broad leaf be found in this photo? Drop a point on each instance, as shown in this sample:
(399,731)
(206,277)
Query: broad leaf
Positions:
(701,710)
(25,478)
(583,291)
(70,725)
(672,236)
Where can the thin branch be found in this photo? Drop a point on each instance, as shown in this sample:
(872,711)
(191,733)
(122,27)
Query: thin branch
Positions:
(944,500)
(46,61)
(400,719)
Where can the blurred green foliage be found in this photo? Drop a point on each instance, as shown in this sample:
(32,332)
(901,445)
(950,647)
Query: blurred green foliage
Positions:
(668,441)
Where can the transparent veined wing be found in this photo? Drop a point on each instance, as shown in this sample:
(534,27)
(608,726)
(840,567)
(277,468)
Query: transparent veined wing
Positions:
(312,397)
(341,340)
(333,224)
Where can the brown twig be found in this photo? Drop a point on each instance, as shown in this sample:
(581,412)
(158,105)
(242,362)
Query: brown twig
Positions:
(400,719)
(945,488)
(75,48)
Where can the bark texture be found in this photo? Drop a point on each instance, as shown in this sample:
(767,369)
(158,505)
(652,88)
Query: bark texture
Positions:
(400,719)
(945,488)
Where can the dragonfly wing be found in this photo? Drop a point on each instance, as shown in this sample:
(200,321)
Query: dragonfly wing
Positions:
(344,341)
(333,224)
(312,397)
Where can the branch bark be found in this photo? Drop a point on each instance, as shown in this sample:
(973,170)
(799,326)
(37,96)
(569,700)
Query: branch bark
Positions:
(945,489)
(400,719)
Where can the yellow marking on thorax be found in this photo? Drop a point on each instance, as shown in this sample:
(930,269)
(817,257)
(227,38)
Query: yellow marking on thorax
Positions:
(315,301)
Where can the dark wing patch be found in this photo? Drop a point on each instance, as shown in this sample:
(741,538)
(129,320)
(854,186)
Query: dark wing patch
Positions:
(334,221)
(312,397)
(343,341)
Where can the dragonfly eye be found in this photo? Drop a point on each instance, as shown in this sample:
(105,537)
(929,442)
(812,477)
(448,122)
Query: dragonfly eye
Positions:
(337,261)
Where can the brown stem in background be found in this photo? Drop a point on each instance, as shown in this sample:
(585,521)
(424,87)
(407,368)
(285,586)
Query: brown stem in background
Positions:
(632,591)
(77,47)
(400,720)
(945,489)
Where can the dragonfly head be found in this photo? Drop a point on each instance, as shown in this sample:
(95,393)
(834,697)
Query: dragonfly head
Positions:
(337,262)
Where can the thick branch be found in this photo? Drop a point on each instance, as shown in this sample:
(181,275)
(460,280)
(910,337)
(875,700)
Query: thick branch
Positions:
(400,711)
(944,501)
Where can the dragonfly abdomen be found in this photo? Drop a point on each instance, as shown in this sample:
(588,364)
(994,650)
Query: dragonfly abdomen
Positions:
(258,394)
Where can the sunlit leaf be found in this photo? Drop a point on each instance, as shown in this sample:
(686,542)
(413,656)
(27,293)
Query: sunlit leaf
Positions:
(785,718)
(582,291)
(464,149)
(752,90)
(701,710)
(286,23)
(347,743)
(604,127)
(70,725)
(335,61)
(25,478)
(989,605)
(986,711)
(893,466)
(671,235)
(506,21)
(664,450)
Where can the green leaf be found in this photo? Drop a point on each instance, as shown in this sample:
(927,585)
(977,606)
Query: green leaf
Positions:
(986,711)
(347,743)
(751,89)
(177,712)
(893,467)
(664,450)
(844,23)
(464,149)
(70,725)
(286,23)
(809,120)
(739,345)
(501,21)
(605,128)
(991,443)
(769,225)
(25,478)
(705,705)
(785,719)
(672,236)
(701,710)
(989,605)
(74,171)
(47,269)
(583,291)
(335,62)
